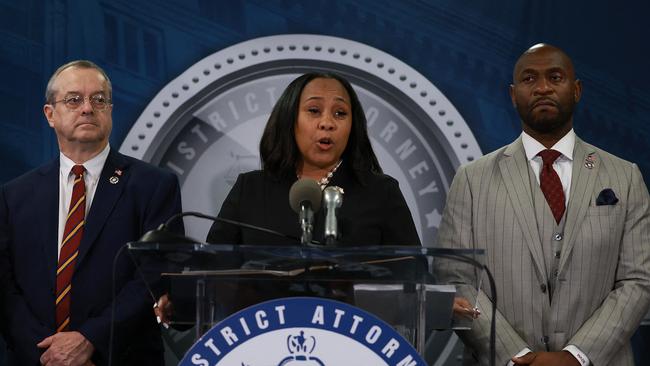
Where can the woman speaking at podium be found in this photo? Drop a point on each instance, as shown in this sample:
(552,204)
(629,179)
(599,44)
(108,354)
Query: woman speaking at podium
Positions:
(317,130)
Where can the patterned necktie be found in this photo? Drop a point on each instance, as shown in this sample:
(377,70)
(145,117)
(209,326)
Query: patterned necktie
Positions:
(72,234)
(550,183)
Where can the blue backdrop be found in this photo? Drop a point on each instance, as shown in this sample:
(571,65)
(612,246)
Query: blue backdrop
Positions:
(465,47)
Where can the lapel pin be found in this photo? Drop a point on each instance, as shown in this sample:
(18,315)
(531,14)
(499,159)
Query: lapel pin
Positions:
(590,161)
(115,178)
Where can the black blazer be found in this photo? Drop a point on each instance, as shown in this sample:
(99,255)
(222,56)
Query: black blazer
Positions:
(144,197)
(373,212)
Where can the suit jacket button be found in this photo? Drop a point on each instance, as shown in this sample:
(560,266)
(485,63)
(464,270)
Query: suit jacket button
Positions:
(557,254)
(543,288)
(557,237)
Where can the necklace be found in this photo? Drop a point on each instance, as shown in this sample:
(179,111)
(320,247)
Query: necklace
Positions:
(323,182)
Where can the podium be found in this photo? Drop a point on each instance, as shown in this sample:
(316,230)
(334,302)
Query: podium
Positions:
(410,288)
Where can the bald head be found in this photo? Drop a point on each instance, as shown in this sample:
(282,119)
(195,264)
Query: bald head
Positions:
(544,91)
(543,52)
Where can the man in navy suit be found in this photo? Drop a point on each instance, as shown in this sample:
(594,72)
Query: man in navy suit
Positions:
(121,198)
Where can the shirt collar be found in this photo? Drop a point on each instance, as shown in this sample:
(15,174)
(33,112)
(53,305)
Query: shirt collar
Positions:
(93,166)
(565,145)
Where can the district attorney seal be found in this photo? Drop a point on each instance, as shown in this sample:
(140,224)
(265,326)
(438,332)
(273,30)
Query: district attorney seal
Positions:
(205,125)
(302,331)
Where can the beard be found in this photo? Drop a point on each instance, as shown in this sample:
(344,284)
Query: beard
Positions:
(546,122)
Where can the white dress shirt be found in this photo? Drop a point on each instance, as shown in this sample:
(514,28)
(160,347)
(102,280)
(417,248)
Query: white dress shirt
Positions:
(562,165)
(93,168)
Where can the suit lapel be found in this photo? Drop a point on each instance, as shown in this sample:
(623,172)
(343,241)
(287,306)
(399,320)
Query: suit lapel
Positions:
(47,197)
(582,186)
(104,201)
(516,177)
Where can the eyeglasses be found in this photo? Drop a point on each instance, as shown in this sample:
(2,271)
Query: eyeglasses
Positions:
(73,101)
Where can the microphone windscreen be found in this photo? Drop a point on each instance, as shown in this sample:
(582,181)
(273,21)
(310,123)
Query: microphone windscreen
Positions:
(305,189)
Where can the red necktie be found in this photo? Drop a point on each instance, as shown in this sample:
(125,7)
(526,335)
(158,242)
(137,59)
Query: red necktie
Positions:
(72,234)
(550,183)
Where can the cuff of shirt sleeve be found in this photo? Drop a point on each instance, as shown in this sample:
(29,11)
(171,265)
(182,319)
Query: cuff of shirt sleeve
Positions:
(521,353)
(578,354)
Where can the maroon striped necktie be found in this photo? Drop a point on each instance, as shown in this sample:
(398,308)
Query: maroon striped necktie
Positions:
(72,234)
(550,183)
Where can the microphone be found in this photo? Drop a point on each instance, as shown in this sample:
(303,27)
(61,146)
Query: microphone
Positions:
(304,199)
(333,197)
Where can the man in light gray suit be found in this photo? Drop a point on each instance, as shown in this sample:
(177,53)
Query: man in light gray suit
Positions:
(566,233)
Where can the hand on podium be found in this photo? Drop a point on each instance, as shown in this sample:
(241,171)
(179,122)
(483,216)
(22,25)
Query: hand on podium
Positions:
(163,309)
(463,308)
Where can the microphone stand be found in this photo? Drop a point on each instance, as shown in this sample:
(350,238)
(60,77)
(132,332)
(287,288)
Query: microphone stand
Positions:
(162,233)
(333,198)
(306,223)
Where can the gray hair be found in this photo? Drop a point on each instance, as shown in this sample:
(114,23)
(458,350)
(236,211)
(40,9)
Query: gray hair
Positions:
(81,64)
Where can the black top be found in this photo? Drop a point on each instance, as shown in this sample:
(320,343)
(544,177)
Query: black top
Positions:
(373,212)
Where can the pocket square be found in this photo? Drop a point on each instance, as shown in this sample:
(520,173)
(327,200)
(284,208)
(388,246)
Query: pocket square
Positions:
(606,197)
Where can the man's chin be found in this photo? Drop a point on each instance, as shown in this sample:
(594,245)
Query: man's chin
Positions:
(545,125)
(90,139)
(544,113)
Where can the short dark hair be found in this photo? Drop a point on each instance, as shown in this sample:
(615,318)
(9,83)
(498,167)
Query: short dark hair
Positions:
(278,149)
(80,64)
